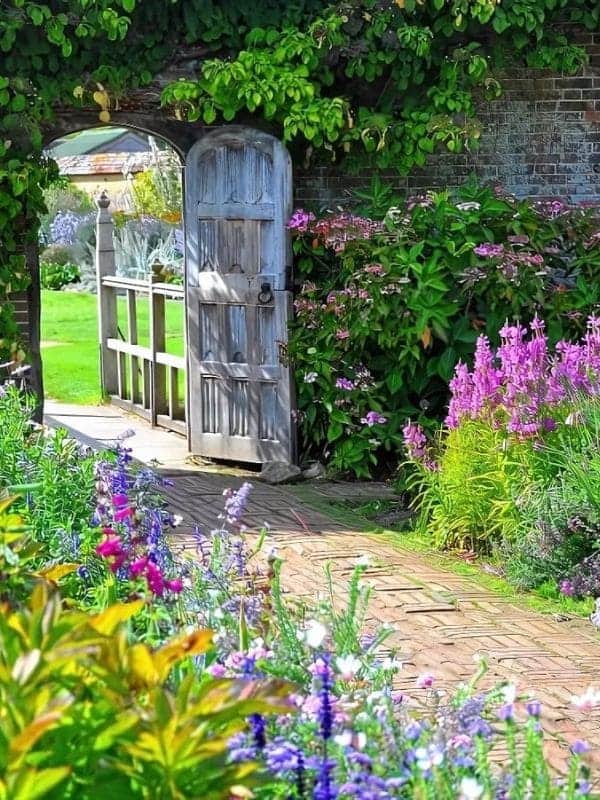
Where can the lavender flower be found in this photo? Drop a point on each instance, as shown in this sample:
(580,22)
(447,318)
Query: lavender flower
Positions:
(373,418)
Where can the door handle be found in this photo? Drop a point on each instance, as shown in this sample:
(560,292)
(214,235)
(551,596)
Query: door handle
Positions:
(266,294)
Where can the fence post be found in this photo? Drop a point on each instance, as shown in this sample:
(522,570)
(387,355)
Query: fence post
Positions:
(158,397)
(107,297)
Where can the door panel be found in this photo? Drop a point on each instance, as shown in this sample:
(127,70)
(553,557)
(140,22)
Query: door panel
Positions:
(238,201)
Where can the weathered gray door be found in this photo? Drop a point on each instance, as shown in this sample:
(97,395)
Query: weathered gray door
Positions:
(238,199)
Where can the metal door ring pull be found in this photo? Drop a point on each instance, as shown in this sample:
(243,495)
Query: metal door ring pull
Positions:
(265,295)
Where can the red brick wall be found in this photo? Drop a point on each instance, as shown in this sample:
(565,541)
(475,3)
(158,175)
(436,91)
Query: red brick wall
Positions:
(541,138)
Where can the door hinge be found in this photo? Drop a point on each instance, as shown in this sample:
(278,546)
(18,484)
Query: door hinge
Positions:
(289,278)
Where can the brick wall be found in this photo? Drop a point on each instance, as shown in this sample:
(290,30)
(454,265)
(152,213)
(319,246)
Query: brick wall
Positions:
(541,138)
(21,304)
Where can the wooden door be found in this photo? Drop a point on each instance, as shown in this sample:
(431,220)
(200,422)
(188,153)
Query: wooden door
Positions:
(238,199)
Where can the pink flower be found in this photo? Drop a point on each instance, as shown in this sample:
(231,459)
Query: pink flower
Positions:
(111,546)
(489,250)
(374,269)
(175,585)
(120,500)
(414,440)
(425,680)
(138,566)
(155,579)
(217,670)
(342,334)
(123,513)
(301,220)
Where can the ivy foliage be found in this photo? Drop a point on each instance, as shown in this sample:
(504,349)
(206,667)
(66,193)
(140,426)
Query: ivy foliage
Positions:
(389,80)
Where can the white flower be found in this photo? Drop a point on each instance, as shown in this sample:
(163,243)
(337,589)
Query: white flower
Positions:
(428,757)
(310,377)
(348,666)
(588,700)
(509,693)
(595,615)
(470,789)
(391,664)
(177,520)
(314,634)
(470,206)
(343,739)
(363,561)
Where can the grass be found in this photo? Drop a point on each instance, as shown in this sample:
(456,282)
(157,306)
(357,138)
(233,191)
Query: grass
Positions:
(70,350)
(356,517)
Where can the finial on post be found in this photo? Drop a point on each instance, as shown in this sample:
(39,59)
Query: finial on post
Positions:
(103,201)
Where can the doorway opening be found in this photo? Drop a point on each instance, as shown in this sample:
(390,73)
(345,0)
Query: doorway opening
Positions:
(140,175)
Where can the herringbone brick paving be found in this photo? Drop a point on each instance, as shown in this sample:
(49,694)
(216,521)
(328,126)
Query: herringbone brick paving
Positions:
(442,622)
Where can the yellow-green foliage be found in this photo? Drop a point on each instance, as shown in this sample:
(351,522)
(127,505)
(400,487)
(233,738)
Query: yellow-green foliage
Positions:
(85,713)
(470,499)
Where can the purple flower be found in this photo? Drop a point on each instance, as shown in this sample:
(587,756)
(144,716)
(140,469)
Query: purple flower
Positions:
(300,220)
(534,708)
(489,250)
(344,383)
(506,712)
(236,502)
(566,588)
(414,440)
(579,747)
(373,418)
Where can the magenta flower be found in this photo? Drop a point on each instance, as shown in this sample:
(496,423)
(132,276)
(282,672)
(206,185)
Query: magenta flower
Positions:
(373,418)
(138,566)
(489,250)
(300,220)
(176,585)
(111,546)
(123,513)
(425,680)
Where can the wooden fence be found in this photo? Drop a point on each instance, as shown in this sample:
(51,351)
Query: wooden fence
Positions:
(142,378)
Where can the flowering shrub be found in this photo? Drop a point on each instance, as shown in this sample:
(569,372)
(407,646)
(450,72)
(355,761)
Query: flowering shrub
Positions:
(387,308)
(516,471)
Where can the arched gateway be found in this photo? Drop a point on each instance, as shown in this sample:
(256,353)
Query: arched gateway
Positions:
(237,200)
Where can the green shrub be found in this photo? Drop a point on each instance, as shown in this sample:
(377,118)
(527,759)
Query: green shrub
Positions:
(517,470)
(57,276)
(59,254)
(406,297)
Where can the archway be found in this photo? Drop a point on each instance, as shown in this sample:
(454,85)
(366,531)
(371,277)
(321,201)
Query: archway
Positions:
(142,177)
(238,191)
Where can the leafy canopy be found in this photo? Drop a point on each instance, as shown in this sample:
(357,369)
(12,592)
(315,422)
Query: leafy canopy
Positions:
(384,80)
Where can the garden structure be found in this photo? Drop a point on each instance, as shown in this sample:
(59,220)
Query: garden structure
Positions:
(237,297)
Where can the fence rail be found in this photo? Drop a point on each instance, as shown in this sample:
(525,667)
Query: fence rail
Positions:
(142,378)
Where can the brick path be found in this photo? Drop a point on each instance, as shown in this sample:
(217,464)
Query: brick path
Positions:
(442,621)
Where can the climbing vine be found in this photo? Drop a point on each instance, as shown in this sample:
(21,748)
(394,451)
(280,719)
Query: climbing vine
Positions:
(389,81)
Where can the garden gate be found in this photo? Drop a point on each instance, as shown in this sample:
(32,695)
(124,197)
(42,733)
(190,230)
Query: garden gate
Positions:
(238,199)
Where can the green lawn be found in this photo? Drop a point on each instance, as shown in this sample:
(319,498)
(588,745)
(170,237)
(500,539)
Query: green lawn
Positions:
(70,350)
